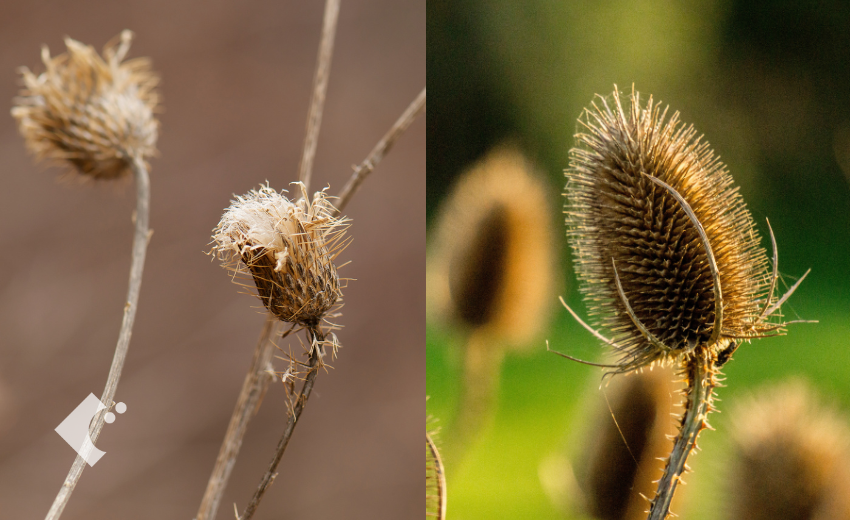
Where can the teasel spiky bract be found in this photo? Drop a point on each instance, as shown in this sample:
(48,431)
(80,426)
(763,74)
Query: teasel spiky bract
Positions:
(791,457)
(667,255)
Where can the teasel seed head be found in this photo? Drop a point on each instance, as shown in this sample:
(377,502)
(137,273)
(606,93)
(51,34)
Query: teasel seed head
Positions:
(91,112)
(289,249)
(635,427)
(665,249)
(791,457)
(493,262)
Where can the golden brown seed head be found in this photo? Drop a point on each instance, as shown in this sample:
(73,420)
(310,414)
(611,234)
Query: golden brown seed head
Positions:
(289,249)
(617,216)
(792,457)
(493,261)
(94,113)
(622,455)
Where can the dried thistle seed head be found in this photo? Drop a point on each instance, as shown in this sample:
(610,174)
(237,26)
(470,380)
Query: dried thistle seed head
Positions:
(289,249)
(633,431)
(493,262)
(642,260)
(791,457)
(93,113)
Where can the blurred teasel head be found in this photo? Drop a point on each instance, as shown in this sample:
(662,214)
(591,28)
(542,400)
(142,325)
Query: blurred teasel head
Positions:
(94,113)
(791,457)
(289,249)
(493,262)
(666,252)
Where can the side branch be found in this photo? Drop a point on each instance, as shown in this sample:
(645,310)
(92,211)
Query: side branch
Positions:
(320,87)
(701,375)
(140,246)
(380,150)
(316,338)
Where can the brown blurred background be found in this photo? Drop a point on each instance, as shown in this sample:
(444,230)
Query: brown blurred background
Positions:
(236,85)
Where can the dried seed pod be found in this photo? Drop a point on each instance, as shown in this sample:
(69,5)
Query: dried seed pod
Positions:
(791,457)
(289,249)
(493,260)
(93,113)
(665,248)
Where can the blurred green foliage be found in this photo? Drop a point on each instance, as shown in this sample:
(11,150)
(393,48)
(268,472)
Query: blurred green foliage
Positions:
(767,83)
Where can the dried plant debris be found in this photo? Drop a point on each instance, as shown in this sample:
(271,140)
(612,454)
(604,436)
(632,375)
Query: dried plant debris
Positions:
(493,261)
(91,112)
(791,457)
(289,249)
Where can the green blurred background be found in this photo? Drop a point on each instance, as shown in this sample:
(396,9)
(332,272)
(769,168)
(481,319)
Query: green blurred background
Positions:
(767,83)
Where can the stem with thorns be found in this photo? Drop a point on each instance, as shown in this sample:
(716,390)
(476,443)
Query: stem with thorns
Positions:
(317,337)
(254,387)
(701,375)
(320,87)
(140,245)
(381,149)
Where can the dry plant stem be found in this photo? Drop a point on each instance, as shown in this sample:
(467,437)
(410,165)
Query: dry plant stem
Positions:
(140,245)
(701,375)
(320,87)
(480,389)
(316,338)
(380,150)
(256,384)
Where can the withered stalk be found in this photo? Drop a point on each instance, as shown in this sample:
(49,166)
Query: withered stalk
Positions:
(140,245)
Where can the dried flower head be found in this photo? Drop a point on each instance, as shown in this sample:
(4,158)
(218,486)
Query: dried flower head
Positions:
(791,457)
(288,247)
(633,431)
(493,261)
(94,113)
(665,249)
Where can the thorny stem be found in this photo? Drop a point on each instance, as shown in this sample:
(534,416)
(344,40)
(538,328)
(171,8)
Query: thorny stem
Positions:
(254,387)
(316,337)
(381,149)
(701,375)
(140,245)
(320,87)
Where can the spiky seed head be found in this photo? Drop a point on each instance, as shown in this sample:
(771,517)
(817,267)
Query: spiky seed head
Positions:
(791,457)
(617,216)
(622,455)
(492,265)
(289,249)
(91,112)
